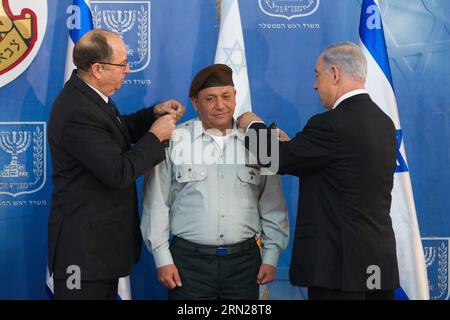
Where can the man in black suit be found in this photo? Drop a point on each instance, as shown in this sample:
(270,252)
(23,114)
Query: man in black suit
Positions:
(97,154)
(344,244)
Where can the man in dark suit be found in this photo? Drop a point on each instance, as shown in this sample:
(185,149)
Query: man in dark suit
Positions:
(97,154)
(344,244)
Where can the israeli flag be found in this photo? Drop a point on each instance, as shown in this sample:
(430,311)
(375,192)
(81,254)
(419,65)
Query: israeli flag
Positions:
(410,255)
(231,51)
(79,22)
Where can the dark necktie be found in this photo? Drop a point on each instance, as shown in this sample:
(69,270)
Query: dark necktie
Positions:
(121,123)
(115,110)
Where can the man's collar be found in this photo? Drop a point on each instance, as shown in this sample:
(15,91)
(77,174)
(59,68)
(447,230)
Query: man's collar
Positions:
(103,96)
(348,95)
(199,130)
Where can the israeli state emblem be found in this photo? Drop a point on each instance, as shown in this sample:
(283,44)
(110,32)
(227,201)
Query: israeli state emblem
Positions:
(437,257)
(22,28)
(289,9)
(131,21)
(22,157)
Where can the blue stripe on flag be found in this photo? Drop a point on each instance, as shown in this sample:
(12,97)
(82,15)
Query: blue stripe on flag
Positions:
(400,294)
(401,166)
(85,21)
(372,35)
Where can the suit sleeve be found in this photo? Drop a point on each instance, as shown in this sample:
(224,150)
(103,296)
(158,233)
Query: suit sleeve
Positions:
(139,123)
(88,140)
(310,149)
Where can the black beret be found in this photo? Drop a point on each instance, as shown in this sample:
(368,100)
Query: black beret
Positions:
(216,75)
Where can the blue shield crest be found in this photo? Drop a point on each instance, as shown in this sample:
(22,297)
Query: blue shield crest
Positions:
(22,157)
(437,260)
(131,20)
(289,9)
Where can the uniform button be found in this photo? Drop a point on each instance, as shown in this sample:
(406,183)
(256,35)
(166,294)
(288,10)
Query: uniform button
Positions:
(223,216)
(222,176)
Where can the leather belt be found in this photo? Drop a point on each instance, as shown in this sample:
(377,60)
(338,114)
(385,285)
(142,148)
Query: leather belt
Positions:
(214,250)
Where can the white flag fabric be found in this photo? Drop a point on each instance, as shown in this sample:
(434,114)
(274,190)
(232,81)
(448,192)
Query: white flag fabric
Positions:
(78,23)
(410,255)
(124,288)
(231,51)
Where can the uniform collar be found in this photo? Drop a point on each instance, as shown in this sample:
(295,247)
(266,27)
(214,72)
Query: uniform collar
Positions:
(199,131)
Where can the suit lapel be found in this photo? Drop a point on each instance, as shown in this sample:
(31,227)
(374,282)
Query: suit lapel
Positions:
(95,98)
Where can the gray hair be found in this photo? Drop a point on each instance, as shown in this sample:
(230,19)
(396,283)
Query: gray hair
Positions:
(348,57)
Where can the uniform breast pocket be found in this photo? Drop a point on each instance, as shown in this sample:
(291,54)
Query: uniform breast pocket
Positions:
(248,175)
(190,173)
(247,188)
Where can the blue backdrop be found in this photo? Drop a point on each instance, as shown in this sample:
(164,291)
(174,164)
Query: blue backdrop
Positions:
(177,38)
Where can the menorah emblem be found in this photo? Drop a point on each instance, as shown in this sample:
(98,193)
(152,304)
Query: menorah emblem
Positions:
(131,21)
(14,143)
(119,21)
(22,157)
(430,255)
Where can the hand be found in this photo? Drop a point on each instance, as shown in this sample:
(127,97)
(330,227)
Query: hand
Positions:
(168,276)
(282,136)
(163,127)
(169,106)
(266,274)
(245,119)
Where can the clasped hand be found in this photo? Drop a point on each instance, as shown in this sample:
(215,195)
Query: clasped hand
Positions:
(167,114)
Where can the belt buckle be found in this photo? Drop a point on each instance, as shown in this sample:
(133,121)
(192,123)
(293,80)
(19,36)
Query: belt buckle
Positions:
(221,251)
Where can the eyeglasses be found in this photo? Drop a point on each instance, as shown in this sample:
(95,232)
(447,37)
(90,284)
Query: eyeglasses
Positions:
(124,65)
